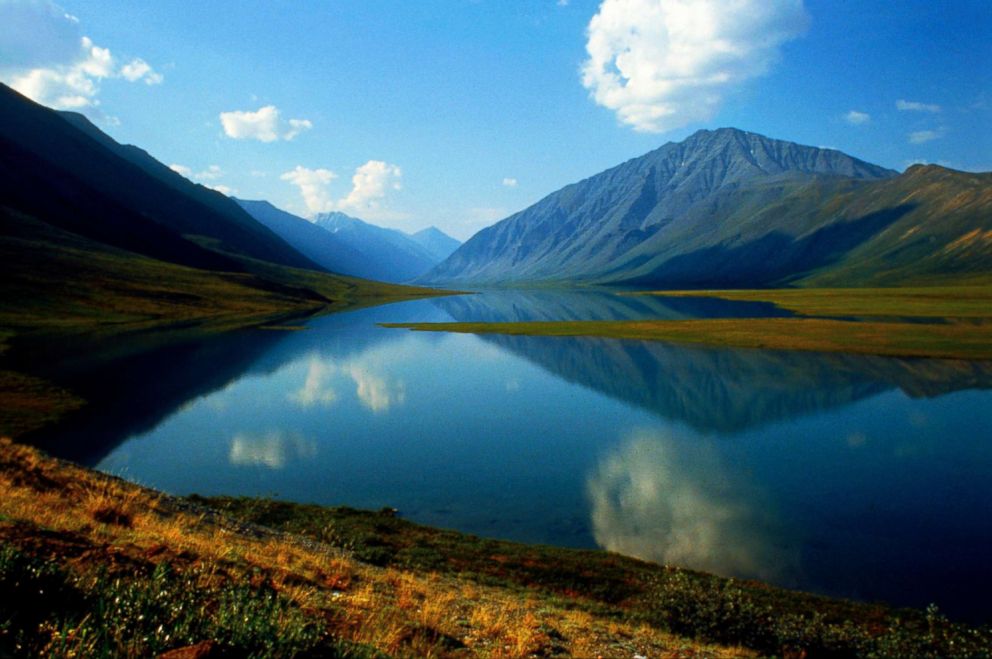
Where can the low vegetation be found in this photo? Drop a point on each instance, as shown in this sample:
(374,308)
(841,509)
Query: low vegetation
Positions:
(91,565)
(953,301)
(94,566)
(951,323)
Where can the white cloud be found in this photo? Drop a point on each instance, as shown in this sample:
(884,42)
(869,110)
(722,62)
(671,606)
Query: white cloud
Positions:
(139,69)
(313,185)
(915,106)
(297,126)
(221,188)
(211,173)
(662,64)
(48,59)
(856,118)
(370,184)
(510,182)
(263,125)
(921,136)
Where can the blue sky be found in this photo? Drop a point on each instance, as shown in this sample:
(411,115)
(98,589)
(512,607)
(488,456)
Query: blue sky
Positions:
(457,113)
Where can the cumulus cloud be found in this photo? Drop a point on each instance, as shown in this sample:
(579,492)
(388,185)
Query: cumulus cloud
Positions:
(915,106)
(856,118)
(313,185)
(370,184)
(139,69)
(263,125)
(48,59)
(662,64)
(678,504)
(510,182)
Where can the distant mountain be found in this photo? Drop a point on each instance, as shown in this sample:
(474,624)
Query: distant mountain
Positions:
(317,244)
(732,208)
(392,255)
(63,169)
(439,244)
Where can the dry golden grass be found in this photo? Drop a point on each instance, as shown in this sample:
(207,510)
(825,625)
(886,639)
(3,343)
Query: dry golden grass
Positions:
(103,520)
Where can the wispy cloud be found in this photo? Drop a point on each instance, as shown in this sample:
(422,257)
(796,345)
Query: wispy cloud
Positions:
(48,59)
(263,125)
(207,177)
(915,106)
(510,182)
(662,65)
(922,136)
(856,118)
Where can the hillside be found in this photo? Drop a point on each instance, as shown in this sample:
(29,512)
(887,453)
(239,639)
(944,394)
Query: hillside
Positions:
(391,255)
(82,181)
(732,209)
(317,244)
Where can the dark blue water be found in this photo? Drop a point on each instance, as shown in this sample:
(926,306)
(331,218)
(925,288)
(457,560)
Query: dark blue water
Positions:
(863,477)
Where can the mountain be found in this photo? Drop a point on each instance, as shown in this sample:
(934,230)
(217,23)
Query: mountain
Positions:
(95,235)
(79,179)
(439,244)
(729,208)
(317,244)
(392,255)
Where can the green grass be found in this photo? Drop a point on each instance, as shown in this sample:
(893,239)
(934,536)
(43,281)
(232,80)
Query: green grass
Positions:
(974,301)
(48,611)
(870,321)
(950,341)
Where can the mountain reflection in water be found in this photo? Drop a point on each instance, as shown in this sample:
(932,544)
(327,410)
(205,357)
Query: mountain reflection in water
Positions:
(848,475)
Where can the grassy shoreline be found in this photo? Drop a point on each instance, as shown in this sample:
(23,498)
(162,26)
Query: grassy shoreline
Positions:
(859,321)
(137,572)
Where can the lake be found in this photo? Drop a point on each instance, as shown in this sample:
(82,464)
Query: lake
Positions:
(853,476)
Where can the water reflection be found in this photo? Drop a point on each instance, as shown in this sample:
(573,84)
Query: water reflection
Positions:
(273,450)
(710,389)
(677,503)
(315,390)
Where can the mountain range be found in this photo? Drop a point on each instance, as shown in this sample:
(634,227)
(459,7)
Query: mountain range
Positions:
(93,231)
(350,246)
(729,208)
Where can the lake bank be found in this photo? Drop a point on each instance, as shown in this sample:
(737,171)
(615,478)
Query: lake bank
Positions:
(353,582)
(943,322)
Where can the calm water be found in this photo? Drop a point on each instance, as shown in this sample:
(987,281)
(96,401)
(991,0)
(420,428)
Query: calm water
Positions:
(854,476)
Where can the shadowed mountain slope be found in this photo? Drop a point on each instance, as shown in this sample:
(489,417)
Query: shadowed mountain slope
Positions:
(317,244)
(734,209)
(61,168)
(393,255)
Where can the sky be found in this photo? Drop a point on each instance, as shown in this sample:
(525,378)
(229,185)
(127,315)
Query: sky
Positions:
(458,113)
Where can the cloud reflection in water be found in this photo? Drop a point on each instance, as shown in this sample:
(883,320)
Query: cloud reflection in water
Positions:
(273,450)
(672,503)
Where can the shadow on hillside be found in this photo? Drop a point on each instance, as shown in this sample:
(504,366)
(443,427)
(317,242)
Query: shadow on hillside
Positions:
(773,259)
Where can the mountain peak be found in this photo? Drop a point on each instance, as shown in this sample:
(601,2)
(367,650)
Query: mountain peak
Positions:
(629,219)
